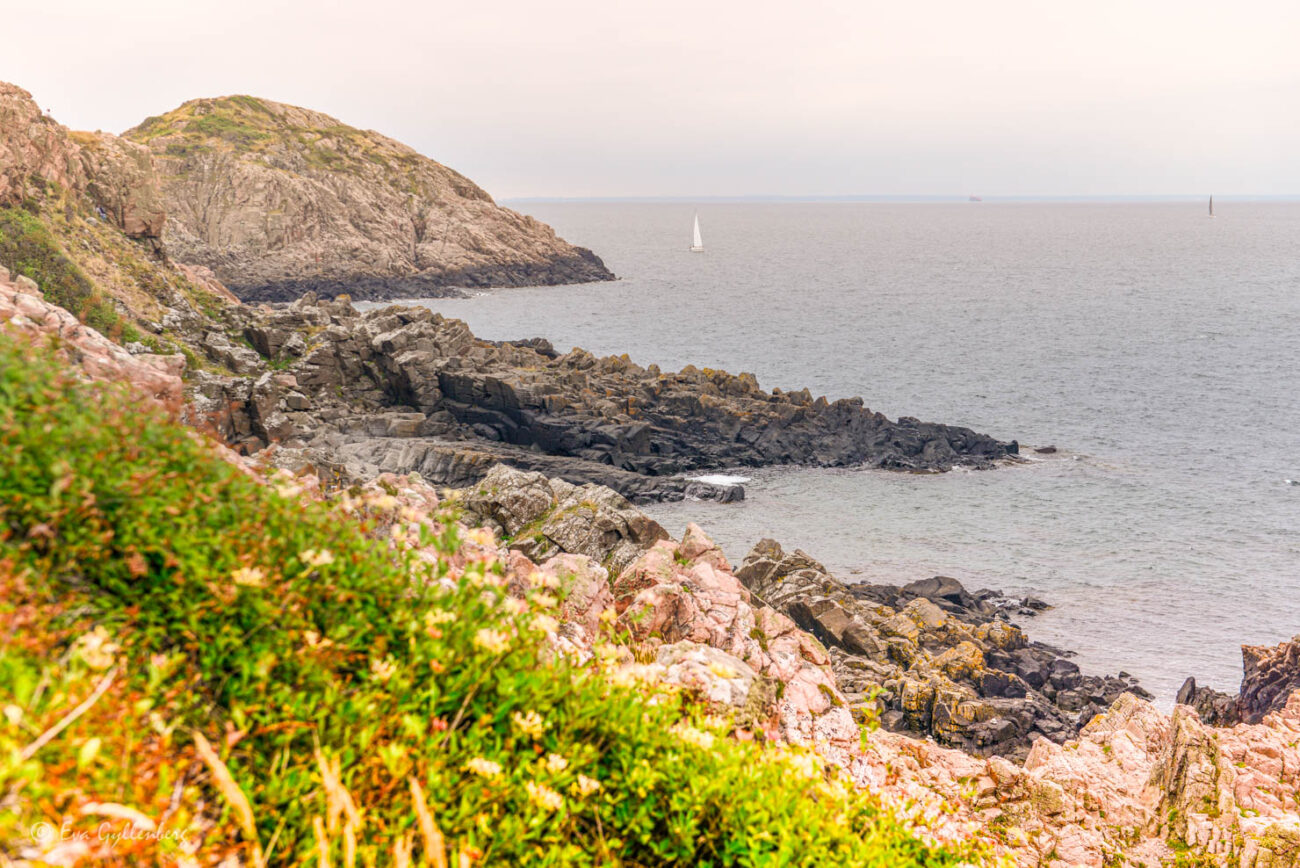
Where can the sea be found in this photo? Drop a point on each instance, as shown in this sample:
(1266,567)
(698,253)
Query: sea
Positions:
(1156,348)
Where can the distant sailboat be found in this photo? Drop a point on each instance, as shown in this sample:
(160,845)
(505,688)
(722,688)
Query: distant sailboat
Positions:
(697,243)
(1211,206)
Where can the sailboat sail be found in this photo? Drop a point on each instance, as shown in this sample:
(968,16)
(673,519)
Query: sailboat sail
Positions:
(1211,206)
(697,242)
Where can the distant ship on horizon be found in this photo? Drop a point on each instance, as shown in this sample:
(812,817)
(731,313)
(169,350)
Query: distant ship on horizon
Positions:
(975,199)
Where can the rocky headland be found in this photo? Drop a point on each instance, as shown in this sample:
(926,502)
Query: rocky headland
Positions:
(279,201)
(404,389)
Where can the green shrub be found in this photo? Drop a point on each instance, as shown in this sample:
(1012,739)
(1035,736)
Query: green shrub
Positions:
(234,623)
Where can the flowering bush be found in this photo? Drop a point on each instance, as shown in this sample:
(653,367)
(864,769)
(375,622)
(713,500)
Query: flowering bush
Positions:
(302,689)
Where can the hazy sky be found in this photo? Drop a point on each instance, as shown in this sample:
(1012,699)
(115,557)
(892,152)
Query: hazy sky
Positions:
(608,98)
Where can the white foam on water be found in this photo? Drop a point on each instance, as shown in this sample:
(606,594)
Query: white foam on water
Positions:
(719,479)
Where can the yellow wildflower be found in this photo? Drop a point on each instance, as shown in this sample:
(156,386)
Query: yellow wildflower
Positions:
(288,490)
(693,736)
(383,669)
(556,763)
(806,764)
(530,724)
(481,536)
(514,606)
(539,579)
(315,640)
(545,623)
(316,558)
(722,670)
(546,601)
(544,797)
(251,577)
(484,768)
(585,786)
(435,617)
(96,648)
(383,502)
(494,641)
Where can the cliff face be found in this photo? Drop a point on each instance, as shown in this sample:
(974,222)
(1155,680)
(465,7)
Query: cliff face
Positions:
(113,174)
(81,215)
(279,200)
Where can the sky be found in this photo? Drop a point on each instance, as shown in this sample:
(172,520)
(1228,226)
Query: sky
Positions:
(579,98)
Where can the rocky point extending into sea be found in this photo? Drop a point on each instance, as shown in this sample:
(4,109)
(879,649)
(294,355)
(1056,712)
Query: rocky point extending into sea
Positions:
(402,389)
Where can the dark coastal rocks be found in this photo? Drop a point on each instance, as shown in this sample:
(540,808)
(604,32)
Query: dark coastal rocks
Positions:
(1212,706)
(1269,676)
(581,267)
(933,658)
(460,464)
(589,420)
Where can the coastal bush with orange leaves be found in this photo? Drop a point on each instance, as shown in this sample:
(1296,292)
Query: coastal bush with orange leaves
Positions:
(197,665)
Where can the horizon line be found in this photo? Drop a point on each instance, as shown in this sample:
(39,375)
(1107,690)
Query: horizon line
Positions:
(919,198)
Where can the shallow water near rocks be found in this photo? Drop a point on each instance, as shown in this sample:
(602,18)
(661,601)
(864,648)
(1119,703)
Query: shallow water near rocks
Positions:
(1158,348)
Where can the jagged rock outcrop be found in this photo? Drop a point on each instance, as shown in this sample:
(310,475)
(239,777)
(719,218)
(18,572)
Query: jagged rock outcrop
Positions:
(1270,674)
(34,149)
(81,215)
(1212,706)
(115,175)
(1136,788)
(404,389)
(279,200)
(932,658)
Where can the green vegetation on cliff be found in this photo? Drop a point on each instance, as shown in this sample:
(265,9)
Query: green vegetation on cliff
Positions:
(27,247)
(114,284)
(262,675)
(247,125)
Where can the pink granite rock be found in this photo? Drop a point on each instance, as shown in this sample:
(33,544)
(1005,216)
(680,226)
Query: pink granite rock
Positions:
(25,314)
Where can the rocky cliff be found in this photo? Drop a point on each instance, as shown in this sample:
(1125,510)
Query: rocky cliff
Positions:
(36,152)
(81,215)
(278,200)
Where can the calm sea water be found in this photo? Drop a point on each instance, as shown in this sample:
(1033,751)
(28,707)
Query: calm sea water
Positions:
(1158,348)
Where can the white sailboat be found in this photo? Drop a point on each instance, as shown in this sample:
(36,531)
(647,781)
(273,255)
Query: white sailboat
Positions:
(1211,206)
(697,243)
